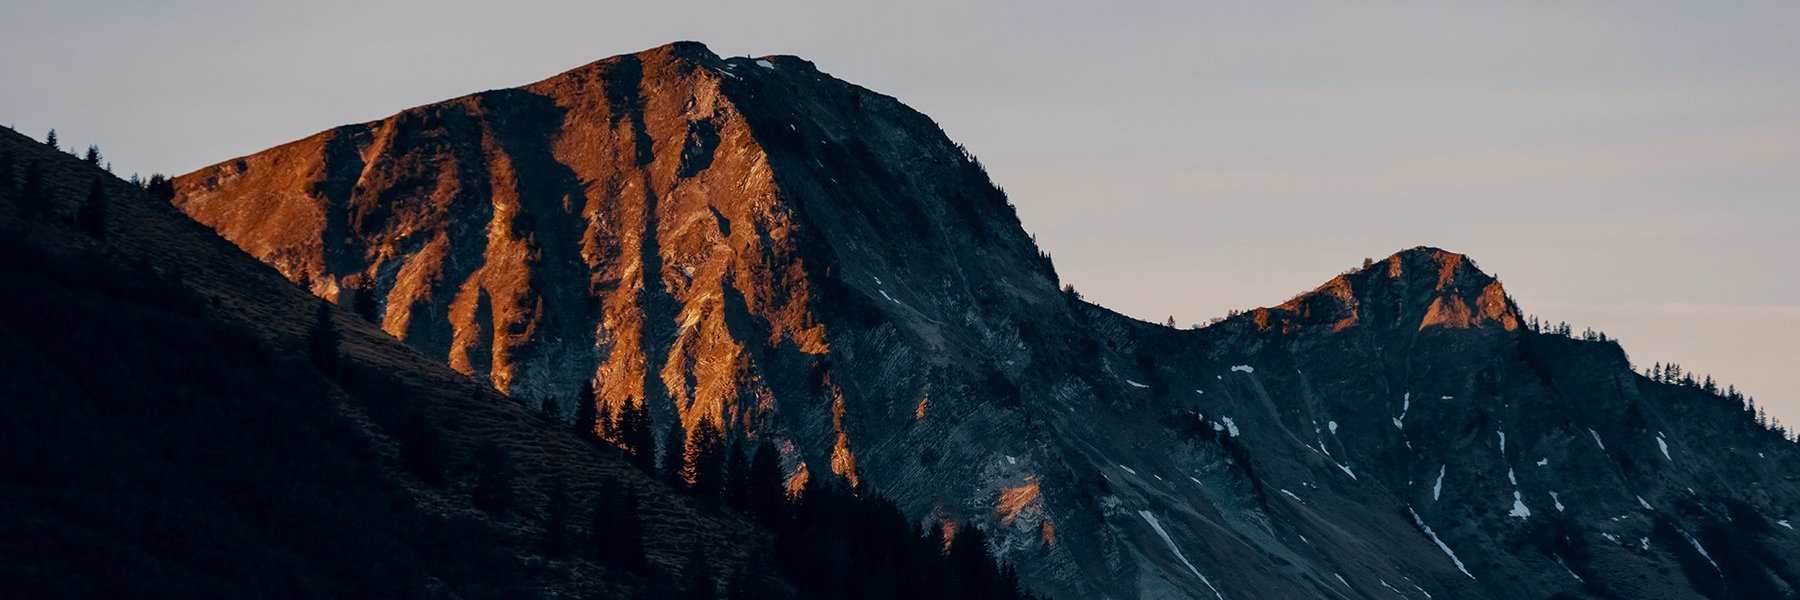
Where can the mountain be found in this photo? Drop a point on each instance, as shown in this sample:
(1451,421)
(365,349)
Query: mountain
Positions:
(752,242)
(168,436)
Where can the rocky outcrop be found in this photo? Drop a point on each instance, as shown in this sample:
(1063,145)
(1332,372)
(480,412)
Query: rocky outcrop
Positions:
(803,260)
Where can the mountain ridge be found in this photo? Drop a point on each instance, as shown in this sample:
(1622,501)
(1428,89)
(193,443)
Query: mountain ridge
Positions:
(806,261)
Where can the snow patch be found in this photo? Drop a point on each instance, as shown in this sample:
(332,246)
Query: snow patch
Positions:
(765,64)
(1230,426)
(1557,500)
(1644,504)
(1346,470)
(1665,448)
(1333,426)
(1151,519)
(1440,543)
(1543,462)
(1597,441)
(1136,384)
(1243,369)
(1128,469)
(1291,495)
(1784,523)
(1519,510)
(1438,488)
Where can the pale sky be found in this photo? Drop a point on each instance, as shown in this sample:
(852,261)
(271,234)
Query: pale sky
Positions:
(1629,166)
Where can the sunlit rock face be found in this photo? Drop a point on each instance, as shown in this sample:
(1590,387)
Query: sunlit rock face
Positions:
(755,242)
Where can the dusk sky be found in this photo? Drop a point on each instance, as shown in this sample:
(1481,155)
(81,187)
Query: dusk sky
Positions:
(1628,166)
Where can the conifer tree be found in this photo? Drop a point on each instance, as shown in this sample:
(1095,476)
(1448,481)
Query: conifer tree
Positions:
(91,217)
(766,489)
(160,187)
(550,408)
(674,456)
(636,436)
(93,155)
(705,461)
(737,476)
(364,304)
(586,411)
(51,141)
(322,341)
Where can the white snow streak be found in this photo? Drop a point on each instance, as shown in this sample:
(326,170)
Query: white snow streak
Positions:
(1243,369)
(1136,384)
(765,64)
(1644,504)
(1702,550)
(1665,448)
(1438,488)
(1440,543)
(1784,523)
(1128,469)
(1151,519)
(1597,441)
(1291,495)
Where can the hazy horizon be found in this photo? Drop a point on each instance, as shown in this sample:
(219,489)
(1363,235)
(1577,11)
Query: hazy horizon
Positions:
(1629,167)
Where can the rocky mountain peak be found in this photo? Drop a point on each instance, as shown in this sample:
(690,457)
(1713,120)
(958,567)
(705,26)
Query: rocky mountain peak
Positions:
(1417,289)
(752,242)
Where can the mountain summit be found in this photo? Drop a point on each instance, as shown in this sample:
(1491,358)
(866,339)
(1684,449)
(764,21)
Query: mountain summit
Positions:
(754,243)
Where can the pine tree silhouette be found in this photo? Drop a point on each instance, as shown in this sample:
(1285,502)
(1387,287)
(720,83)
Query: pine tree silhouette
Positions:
(674,456)
(705,461)
(737,476)
(91,217)
(322,341)
(765,489)
(364,304)
(587,413)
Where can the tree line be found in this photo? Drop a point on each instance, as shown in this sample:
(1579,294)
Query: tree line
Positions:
(831,541)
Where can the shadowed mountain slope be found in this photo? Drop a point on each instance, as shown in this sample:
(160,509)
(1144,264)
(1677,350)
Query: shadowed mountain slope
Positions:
(167,436)
(754,242)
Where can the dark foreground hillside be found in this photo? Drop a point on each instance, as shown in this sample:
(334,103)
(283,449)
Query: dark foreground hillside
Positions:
(167,435)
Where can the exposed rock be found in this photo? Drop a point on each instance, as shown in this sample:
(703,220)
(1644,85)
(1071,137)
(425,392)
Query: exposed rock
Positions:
(802,259)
